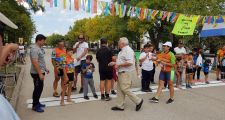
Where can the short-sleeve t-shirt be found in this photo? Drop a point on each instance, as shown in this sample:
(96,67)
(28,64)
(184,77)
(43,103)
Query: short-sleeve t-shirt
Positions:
(170,57)
(147,64)
(59,55)
(69,64)
(21,49)
(104,57)
(37,53)
(89,73)
(82,46)
(220,54)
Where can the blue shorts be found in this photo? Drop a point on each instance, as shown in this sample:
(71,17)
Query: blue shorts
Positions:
(166,76)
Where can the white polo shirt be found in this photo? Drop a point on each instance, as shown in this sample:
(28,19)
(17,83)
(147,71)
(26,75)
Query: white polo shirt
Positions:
(147,64)
(79,51)
(126,55)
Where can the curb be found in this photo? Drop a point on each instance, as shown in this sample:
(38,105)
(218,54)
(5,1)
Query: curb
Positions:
(17,89)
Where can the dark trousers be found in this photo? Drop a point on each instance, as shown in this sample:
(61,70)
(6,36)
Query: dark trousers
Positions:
(146,78)
(38,88)
(153,73)
(198,72)
(222,72)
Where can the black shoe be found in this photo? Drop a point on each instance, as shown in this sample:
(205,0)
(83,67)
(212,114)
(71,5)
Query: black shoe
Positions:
(96,96)
(207,82)
(138,107)
(148,90)
(154,100)
(117,109)
(42,105)
(86,98)
(102,97)
(81,90)
(113,92)
(38,109)
(170,101)
(107,98)
(218,79)
(74,88)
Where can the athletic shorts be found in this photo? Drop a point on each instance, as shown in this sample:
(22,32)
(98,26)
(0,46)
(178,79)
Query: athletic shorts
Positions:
(189,71)
(78,68)
(206,73)
(106,75)
(70,76)
(166,76)
(60,74)
(219,67)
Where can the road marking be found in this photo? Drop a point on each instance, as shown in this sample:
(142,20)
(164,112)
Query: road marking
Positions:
(78,98)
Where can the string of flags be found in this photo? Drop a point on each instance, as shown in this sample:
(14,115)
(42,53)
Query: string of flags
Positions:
(122,10)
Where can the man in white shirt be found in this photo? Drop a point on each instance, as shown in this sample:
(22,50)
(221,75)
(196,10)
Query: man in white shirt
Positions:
(180,50)
(146,60)
(126,66)
(80,50)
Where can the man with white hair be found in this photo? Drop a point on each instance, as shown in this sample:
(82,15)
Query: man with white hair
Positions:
(126,66)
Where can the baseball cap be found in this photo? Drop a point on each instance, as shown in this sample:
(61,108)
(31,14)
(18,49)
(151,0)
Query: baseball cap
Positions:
(168,44)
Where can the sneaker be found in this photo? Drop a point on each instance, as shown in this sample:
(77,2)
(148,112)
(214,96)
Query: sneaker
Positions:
(81,90)
(42,105)
(56,94)
(96,96)
(117,109)
(207,82)
(170,101)
(86,98)
(154,100)
(74,88)
(38,109)
(107,98)
(138,107)
(102,97)
(113,92)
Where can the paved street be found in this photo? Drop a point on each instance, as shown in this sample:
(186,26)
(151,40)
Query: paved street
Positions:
(206,103)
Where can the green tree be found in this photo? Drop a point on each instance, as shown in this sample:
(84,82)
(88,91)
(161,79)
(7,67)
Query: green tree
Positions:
(53,39)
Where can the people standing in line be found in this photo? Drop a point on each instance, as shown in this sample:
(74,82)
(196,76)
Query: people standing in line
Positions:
(146,60)
(58,62)
(87,69)
(168,62)
(126,67)
(80,50)
(199,64)
(37,71)
(189,63)
(104,56)
(205,68)
(220,54)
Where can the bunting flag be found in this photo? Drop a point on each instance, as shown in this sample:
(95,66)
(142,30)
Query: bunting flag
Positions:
(185,25)
(164,15)
(106,9)
(95,6)
(124,10)
(175,18)
(55,3)
(120,11)
(117,8)
(64,4)
(209,30)
(70,8)
(51,3)
(89,6)
(129,11)
(83,4)
(142,14)
(76,5)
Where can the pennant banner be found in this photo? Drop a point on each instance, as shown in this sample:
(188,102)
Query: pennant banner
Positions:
(185,25)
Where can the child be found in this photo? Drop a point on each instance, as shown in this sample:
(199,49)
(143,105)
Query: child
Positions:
(179,68)
(115,77)
(69,76)
(205,66)
(189,70)
(88,68)
(146,60)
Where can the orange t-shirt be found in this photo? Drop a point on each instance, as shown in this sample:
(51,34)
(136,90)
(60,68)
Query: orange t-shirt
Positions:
(170,57)
(69,64)
(59,56)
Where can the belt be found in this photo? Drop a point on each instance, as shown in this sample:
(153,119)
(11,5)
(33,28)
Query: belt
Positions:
(122,72)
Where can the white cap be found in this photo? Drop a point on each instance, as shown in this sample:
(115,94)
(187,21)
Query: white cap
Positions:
(168,44)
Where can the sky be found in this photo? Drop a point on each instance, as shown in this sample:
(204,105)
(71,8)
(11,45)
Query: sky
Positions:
(56,19)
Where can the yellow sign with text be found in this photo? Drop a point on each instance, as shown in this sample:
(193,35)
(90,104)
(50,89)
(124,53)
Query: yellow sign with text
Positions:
(185,25)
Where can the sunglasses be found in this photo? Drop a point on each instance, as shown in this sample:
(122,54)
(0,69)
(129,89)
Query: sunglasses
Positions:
(165,46)
(81,38)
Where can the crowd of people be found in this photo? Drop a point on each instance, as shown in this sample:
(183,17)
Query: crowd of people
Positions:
(69,62)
